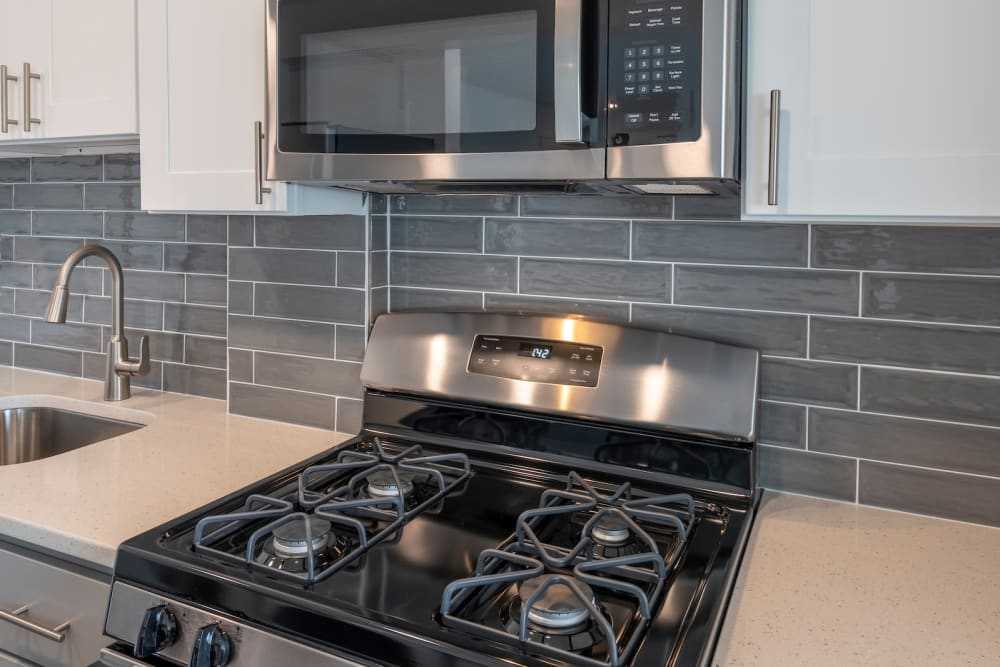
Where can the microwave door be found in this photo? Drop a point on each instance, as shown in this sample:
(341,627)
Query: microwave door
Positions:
(445,90)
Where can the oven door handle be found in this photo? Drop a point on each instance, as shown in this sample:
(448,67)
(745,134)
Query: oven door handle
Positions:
(112,657)
(567,72)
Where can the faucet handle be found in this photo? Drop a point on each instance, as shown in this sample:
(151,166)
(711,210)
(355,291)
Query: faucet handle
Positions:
(142,368)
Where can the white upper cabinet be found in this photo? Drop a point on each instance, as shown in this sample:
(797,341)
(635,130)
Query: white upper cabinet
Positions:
(75,65)
(202,69)
(888,108)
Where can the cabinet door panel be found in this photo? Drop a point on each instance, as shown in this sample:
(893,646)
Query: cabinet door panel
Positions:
(23,38)
(887,107)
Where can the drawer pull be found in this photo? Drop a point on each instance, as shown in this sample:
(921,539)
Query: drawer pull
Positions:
(56,634)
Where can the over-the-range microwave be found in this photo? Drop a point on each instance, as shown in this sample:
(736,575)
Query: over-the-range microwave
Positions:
(506,95)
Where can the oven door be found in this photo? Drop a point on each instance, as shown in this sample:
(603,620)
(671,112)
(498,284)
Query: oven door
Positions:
(435,90)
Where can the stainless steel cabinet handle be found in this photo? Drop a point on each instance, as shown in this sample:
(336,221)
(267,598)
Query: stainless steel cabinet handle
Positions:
(568,87)
(28,76)
(258,163)
(5,119)
(772,156)
(56,634)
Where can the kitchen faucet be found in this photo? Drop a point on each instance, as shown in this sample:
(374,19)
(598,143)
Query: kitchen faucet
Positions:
(121,369)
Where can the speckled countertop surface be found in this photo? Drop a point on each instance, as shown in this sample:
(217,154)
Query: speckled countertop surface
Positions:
(84,503)
(827,583)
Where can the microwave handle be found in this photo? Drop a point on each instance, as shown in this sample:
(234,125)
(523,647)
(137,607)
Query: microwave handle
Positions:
(568,78)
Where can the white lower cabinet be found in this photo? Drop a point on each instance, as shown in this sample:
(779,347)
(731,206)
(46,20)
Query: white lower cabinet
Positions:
(59,601)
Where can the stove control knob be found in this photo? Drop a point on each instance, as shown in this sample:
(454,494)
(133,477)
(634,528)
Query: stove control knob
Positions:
(157,632)
(212,647)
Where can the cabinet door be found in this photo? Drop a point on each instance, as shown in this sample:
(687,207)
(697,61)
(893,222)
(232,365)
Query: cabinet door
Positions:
(888,107)
(23,38)
(203,88)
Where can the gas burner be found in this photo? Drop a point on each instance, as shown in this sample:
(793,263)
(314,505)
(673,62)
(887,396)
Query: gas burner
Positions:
(611,531)
(291,541)
(383,484)
(558,609)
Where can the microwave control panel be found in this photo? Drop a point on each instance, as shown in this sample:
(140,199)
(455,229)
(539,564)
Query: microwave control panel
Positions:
(654,80)
(546,361)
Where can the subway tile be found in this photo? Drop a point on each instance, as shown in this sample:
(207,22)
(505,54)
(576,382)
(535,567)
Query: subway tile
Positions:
(6,300)
(15,170)
(112,196)
(121,167)
(952,299)
(933,396)
(469,272)
(349,415)
(604,310)
(48,196)
(6,353)
(15,222)
(95,367)
(205,351)
(47,250)
(84,280)
(320,376)
(68,223)
(15,275)
(207,228)
(378,302)
(153,285)
(16,328)
(922,346)
(379,267)
(6,196)
(240,298)
(140,255)
(289,336)
(163,345)
(206,290)
(326,232)
(784,290)
(815,383)
(697,207)
(299,302)
(240,365)
(721,243)
(453,204)
(51,360)
(807,473)
(597,239)
(942,494)
(241,230)
(186,318)
(75,336)
(622,281)
(6,248)
(67,168)
(304,267)
(350,343)
(351,269)
(206,382)
(593,206)
(945,249)
(144,226)
(138,314)
(379,232)
(35,303)
(283,405)
(780,335)
(405,298)
(195,258)
(459,234)
(782,424)
(915,442)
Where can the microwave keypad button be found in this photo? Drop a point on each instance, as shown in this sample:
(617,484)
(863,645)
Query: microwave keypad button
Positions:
(634,25)
(676,49)
(675,62)
(644,89)
(658,88)
(676,87)
(643,77)
(644,64)
(659,50)
(657,22)
(658,63)
(630,77)
(630,90)
(676,20)
(656,10)
(643,51)
(633,12)
(675,74)
(633,119)
(658,75)
(630,64)
(630,53)
(655,117)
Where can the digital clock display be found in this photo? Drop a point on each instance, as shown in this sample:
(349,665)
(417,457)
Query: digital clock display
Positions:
(535,351)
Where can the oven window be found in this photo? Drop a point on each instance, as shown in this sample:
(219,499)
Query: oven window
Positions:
(415,77)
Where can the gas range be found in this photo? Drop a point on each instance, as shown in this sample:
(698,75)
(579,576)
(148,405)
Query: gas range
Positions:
(503,513)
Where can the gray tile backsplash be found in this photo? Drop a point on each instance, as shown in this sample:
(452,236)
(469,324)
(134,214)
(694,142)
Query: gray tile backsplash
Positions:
(881,344)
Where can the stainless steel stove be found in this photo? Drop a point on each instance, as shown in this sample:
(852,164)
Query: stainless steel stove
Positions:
(525,490)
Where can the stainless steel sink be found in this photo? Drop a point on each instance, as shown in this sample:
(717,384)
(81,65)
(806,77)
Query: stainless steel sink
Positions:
(30,434)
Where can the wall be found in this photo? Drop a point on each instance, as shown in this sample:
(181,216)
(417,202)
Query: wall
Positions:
(881,374)
(175,274)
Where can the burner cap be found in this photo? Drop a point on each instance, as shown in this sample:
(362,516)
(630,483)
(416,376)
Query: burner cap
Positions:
(382,484)
(290,538)
(558,608)
(611,530)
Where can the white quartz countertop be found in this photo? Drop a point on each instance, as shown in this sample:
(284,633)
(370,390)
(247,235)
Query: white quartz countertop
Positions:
(84,503)
(827,583)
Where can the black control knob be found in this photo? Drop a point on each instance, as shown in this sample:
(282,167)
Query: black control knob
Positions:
(157,632)
(212,647)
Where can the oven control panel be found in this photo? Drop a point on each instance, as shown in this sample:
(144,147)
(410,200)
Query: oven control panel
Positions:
(654,80)
(535,360)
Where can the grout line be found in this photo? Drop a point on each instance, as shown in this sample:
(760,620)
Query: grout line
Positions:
(860,369)
(806,443)
(809,237)
(857,481)
(861,292)
(673,284)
